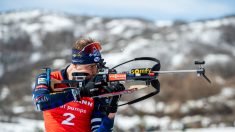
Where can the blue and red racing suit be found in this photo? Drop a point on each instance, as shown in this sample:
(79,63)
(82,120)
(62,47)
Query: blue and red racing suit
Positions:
(62,113)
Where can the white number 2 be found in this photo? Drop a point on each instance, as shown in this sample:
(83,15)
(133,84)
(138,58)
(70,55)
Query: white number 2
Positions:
(67,121)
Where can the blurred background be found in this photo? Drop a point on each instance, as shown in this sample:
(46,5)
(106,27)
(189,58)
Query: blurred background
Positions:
(39,33)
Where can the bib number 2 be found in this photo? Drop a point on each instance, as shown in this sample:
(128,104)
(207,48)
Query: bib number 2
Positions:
(68,120)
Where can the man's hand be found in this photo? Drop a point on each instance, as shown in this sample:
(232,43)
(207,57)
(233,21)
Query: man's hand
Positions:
(53,87)
(89,90)
(113,102)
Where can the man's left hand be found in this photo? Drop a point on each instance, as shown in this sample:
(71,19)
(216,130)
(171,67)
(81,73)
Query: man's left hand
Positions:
(113,102)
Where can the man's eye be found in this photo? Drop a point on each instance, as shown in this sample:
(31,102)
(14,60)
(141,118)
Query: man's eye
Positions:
(92,66)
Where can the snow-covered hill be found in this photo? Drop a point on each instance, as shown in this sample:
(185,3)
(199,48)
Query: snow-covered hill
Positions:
(30,40)
(36,31)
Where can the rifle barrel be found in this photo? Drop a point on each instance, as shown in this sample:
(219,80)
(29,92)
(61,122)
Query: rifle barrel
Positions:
(177,71)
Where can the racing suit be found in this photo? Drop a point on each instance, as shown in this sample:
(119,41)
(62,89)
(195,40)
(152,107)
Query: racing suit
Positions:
(62,113)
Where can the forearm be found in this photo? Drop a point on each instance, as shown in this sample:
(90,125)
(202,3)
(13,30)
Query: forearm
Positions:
(111,115)
(106,125)
(45,101)
(101,122)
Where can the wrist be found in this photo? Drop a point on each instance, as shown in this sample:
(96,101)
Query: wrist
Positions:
(111,115)
(76,94)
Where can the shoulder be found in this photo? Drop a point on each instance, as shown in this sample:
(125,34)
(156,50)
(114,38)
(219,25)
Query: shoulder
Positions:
(56,75)
(41,78)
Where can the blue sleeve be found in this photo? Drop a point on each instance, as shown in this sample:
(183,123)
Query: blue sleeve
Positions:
(44,100)
(100,121)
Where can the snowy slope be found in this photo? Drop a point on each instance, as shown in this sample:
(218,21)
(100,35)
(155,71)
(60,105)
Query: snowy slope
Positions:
(27,125)
(30,40)
(122,37)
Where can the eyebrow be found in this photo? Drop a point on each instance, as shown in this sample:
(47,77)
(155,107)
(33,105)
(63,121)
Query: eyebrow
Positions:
(92,65)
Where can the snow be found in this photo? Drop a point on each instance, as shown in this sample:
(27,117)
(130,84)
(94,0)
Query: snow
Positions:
(191,119)
(30,28)
(228,21)
(227,92)
(177,59)
(224,97)
(200,32)
(127,123)
(226,129)
(106,47)
(79,31)
(4,92)
(117,27)
(205,32)
(130,33)
(22,125)
(1,70)
(160,106)
(205,122)
(213,24)
(92,23)
(164,23)
(96,34)
(65,52)
(36,41)
(172,36)
(151,121)
(206,36)
(172,107)
(4,33)
(126,23)
(191,104)
(18,16)
(1,33)
(128,52)
(162,122)
(58,63)
(218,23)
(35,57)
(156,36)
(216,58)
(149,103)
(18,109)
(117,30)
(53,23)
(33,30)
(196,26)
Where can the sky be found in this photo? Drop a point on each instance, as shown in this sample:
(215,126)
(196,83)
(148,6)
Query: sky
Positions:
(187,10)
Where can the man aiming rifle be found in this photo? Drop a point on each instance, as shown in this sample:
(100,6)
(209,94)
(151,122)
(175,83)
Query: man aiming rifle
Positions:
(72,109)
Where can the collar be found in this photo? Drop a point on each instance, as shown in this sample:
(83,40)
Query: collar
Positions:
(64,73)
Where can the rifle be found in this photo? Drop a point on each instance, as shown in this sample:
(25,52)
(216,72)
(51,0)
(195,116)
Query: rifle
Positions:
(110,76)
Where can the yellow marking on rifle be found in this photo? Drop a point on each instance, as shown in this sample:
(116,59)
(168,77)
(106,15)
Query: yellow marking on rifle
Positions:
(141,71)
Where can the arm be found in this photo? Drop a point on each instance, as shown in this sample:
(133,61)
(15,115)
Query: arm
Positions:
(100,122)
(45,100)
(104,112)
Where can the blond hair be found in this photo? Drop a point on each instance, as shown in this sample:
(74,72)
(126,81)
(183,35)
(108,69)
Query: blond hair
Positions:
(79,44)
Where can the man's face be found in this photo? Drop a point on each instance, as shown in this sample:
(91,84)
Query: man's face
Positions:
(91,69)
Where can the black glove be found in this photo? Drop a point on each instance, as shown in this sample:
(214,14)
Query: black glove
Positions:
(89,90)
(113,101)
(76,93)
